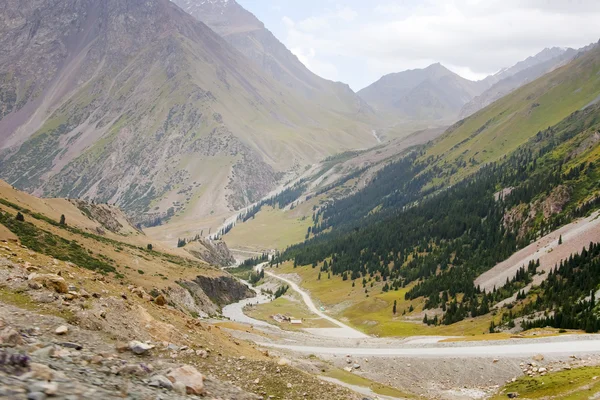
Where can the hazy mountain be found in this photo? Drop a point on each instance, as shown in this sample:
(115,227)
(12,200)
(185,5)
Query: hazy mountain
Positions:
(139,104)
(518,75)
(433,93)
(249,36)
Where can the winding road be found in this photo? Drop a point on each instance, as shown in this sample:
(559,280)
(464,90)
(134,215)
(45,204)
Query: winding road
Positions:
(343,330)
(561,346)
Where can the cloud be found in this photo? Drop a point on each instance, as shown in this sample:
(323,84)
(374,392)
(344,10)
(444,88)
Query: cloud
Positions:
(472,37)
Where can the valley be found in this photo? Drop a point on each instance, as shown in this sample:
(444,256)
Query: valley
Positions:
(188,210)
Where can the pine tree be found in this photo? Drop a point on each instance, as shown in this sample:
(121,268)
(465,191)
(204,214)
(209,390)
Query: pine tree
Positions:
(425,320)
(62,220)
(20,217)
(394,309)
(149,247)
(560,241)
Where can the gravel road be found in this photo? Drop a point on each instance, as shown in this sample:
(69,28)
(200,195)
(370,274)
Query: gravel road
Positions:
(559,348)
(344,331)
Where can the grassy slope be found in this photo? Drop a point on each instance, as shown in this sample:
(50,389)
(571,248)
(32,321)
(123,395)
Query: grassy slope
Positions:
(580,383)
(270,229)
(78,242)
(374,314)
(500,128)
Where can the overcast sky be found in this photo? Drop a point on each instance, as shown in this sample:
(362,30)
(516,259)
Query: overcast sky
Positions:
(358,41)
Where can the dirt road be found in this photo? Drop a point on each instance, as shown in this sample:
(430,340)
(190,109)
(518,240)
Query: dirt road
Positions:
(344,331)
(509,349)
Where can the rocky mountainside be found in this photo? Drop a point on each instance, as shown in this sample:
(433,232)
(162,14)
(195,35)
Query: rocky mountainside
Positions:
(430,94)
(138,104)
(520,74)
(250,36)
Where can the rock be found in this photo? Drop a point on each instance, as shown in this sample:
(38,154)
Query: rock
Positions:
(188,376)
(36,396)
(512,395)
(139,348)
(542,369)
(132,369)
(283,361)
(160,300)
(161,381)
(180,388)
(70,345)
(495,360)
(173,347)
(48,388)
(10,337)
(41,372)
(257,381)
(62,330)
(44,352)
(356,366)
(35,285)
(122,347)
(348,369)
(289,385)
(538,358)
(51,281)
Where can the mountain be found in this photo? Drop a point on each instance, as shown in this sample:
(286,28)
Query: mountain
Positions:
(248,35)
(456,226)
(139,104)
(518,75)
(433,93)
(503,126)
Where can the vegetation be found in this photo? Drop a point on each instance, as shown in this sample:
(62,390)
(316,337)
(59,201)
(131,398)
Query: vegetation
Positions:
(446,240)
(44,242)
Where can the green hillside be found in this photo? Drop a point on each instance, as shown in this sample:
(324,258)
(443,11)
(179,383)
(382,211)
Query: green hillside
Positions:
(502,127)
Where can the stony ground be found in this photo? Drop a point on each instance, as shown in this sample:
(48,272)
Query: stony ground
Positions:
(68,333)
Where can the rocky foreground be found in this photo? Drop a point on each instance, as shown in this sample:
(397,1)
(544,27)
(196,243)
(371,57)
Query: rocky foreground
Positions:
(69,333)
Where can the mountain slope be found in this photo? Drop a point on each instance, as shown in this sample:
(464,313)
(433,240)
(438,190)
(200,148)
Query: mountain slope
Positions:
(500,128)
(249,36)
(518,75)
(433,93)
(137,103)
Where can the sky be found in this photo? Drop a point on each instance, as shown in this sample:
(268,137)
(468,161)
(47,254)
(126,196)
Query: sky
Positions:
(358,41)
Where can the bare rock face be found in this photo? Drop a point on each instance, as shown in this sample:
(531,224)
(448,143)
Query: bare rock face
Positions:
(220,290)
(138,104)
(213,252)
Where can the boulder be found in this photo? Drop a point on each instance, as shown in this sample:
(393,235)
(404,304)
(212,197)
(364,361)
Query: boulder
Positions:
(188,376)
(51,281)
(62,330)
(10,337)
(161,381)
(139,348)
(283,361)
(160,300)
(538,358)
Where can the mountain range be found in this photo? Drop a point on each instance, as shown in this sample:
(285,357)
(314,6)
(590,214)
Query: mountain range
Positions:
(179,114)
(139,104)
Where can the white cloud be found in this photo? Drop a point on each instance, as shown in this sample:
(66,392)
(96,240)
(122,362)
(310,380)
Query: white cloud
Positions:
(471,37)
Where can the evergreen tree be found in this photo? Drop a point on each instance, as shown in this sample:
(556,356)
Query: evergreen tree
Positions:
(20,217)
(394,308)
(560,241)
(62,220)
(149,247)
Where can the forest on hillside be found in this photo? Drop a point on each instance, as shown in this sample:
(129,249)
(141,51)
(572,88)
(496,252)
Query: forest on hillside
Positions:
(444,241)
